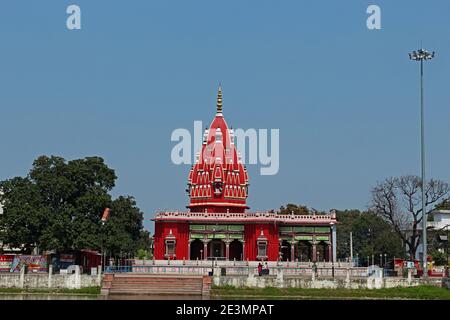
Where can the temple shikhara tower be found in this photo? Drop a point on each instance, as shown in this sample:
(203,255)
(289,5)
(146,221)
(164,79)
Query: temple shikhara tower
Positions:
(218,226)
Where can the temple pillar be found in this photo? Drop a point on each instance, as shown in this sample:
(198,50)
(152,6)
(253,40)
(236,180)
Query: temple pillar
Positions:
(330,253)
(205,249)
(280,245)
(189,249)
(227,250)
(314,252)
(333,238)
(243,250)
(292,250)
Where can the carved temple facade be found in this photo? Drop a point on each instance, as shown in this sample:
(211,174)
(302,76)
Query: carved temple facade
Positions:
(218,226)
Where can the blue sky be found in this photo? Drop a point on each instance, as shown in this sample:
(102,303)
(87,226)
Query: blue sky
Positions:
(345,98)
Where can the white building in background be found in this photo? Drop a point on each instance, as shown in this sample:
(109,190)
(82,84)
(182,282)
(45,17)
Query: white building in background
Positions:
(441,219)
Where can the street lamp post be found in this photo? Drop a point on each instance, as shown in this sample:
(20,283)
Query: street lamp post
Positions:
(351,246)
(103,220)
(103,259)
(446,253)
(212,249)
(370,233)
(422,55)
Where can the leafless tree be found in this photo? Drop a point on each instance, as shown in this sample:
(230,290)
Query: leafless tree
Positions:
(399,201)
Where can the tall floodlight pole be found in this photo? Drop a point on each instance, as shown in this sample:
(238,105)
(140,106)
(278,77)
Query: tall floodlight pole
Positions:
(422,55)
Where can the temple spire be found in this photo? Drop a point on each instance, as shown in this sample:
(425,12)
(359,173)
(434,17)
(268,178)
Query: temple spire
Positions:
(219,100)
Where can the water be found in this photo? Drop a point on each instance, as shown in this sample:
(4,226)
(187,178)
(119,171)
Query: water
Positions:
(44,296)
(152,297)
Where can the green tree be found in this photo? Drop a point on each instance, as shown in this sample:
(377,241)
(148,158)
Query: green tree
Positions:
(144,242)
(122,232)
(293,208)
(24,215)
(59,204)
(439,258)
(142,254)
(371,236)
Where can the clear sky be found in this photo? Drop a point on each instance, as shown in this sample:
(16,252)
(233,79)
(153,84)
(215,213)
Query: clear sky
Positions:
(345,98)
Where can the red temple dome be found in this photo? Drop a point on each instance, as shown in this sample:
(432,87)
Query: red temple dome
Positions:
(218,181)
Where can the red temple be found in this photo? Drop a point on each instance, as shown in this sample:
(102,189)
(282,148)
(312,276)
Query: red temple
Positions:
(217,225)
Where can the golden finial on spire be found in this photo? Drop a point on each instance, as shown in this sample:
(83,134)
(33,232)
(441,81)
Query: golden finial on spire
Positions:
(219,99)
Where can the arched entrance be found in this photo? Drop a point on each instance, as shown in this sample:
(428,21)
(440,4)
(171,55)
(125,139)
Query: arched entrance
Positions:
(216,249)
(196,250)
(236,251)
(285,251)
(322,251)
(304,251)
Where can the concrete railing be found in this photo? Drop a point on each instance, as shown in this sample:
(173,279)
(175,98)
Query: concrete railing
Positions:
(50,280)
(181,270)
(241,270)
(221,263)
(248,216)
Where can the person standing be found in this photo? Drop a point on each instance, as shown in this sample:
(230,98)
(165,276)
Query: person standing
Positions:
(260,269)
